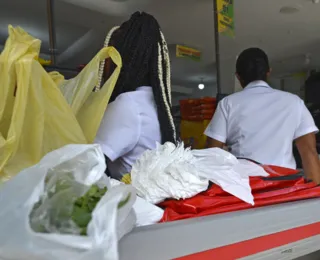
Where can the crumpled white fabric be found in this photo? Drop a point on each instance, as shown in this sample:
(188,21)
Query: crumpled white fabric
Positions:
(172,171)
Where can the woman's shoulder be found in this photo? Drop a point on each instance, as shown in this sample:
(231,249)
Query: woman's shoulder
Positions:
(136,101)
(124,102)
(123,98)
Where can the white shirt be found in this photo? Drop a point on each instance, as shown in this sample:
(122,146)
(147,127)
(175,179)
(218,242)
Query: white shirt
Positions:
(261,123)
(129,127)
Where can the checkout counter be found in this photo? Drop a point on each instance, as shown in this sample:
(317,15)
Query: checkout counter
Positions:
(284,231)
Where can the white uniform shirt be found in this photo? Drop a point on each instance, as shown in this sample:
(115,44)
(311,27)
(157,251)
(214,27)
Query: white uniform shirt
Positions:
(129,127)
(261,123)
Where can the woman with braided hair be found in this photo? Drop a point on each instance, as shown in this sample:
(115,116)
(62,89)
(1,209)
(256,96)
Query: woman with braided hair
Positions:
(139,113)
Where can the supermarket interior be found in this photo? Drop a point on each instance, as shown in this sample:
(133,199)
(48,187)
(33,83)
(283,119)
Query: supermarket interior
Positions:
(148,129)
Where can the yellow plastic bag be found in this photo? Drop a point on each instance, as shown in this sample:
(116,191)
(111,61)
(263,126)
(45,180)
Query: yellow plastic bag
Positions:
(56,77)
(34,115)
(89,106)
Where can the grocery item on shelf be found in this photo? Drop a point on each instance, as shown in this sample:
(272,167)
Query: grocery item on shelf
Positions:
(195,117)
(197,109)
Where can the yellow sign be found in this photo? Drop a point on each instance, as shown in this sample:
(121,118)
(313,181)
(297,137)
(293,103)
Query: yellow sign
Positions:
(226,17)
(187,52)
(300,75)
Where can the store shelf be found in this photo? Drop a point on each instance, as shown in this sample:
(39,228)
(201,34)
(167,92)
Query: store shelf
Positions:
(284,231)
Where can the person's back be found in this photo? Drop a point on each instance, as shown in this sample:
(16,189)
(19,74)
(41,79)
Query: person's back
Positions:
(139,114)
(261,123)
(129,127)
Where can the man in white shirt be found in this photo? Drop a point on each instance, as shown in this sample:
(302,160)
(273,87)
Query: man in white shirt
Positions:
(261,123)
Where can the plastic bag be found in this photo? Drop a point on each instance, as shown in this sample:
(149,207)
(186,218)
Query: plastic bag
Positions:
(52,213)
(266,191)
(166,172)
(57,77)
(171,171)
(89,106)
(146,213)
(86,164)
(250,169)
(34,116)
(225,170)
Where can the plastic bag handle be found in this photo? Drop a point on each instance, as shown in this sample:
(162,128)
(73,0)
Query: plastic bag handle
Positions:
(250,160)
(296,176)
(109,52)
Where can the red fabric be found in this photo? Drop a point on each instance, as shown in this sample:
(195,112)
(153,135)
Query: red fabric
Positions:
(265,192)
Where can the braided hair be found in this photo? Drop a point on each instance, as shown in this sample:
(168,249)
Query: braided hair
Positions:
(145,60)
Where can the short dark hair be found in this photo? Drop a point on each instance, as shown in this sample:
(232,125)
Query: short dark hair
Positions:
(252,64)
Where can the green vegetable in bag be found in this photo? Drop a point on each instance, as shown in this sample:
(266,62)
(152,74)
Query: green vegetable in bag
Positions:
(84,206)
(71,216)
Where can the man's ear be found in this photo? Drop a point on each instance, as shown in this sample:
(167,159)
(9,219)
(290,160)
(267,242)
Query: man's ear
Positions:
(269,72)
(238,77)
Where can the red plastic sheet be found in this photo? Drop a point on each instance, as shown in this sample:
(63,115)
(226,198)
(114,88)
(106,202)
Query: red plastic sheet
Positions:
(265,192)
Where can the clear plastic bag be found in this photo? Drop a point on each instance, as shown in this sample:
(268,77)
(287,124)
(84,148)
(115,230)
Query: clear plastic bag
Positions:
(52,214)
(81,166)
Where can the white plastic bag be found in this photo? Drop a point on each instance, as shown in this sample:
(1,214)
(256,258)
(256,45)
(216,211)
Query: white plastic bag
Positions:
(246,167)
(146,213)
(171,171)
(225,170)
(167,172)
(86,164)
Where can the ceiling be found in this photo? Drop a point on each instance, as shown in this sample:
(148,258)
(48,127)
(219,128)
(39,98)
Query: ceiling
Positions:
(82,25)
